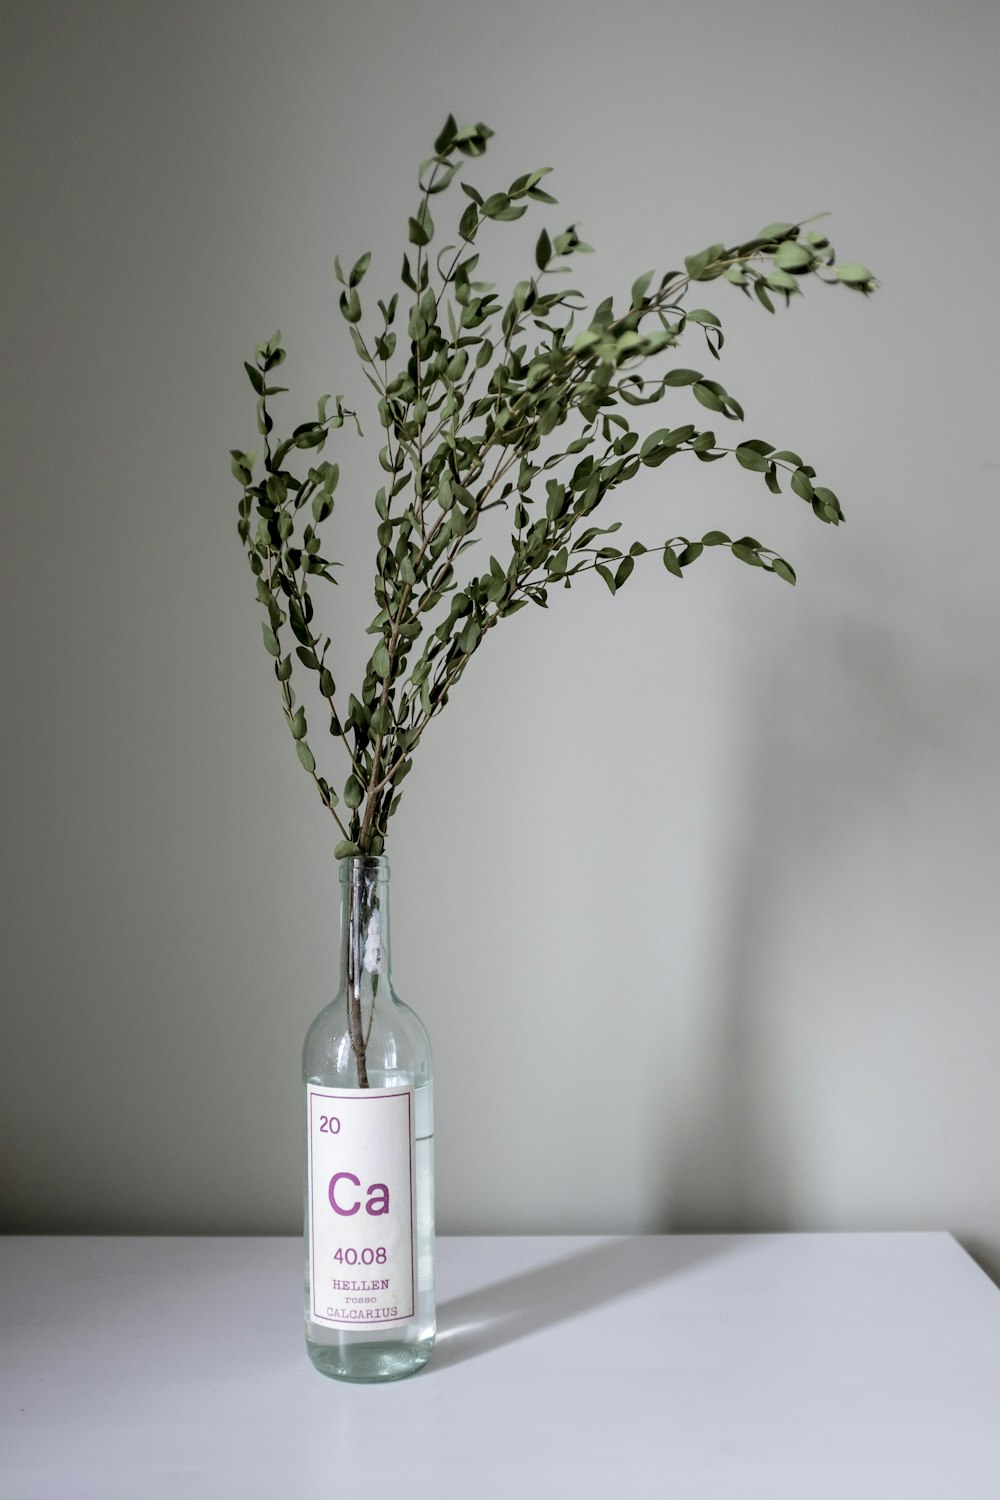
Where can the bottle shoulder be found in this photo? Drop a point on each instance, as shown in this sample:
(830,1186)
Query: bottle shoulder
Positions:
(412,1021)
(396,1040)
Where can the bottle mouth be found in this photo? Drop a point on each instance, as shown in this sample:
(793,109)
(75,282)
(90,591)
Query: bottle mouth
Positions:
(358,867)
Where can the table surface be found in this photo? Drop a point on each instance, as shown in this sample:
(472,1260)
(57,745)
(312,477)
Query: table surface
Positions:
(800,1365)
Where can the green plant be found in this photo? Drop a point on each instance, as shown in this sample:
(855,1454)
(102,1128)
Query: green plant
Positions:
(487,404)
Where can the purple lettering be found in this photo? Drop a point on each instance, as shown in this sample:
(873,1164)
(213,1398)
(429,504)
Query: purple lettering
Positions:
(378,1199)
(346,1212)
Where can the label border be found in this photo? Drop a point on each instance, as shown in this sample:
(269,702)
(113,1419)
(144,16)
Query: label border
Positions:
(318,1092)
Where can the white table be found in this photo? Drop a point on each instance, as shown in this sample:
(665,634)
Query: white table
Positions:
(804,1366)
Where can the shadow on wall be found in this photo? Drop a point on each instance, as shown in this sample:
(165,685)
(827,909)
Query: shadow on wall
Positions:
(849,739)
(987,1257)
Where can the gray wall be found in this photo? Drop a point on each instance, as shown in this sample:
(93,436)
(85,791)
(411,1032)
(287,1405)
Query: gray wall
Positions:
(696,888)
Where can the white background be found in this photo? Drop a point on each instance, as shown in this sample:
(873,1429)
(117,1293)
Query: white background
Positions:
(695,888)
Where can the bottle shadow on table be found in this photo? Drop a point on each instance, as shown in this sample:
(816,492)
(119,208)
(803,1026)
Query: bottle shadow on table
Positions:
(500,1314)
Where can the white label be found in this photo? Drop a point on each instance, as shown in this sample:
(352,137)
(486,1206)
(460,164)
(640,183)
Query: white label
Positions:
(362,1271)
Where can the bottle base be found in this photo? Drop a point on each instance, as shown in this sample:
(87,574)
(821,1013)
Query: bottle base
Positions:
(369,1364)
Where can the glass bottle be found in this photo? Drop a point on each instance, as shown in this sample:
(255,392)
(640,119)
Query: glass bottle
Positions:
(369,1128)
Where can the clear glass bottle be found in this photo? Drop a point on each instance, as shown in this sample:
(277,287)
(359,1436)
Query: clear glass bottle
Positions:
(369,1132)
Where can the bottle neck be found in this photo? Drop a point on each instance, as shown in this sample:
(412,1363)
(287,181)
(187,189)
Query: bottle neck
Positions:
(364,923)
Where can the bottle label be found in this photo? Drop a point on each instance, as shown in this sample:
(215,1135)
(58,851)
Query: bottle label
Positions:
(362,1269)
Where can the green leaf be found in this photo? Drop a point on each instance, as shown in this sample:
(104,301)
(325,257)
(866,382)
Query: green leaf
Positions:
(751,459)
(784,570)
(298,724)
(345,850)
(624,572)
(359,268)
(827,506)
(440,178)
(447,135)
(469,220)
(354,792)
(681,377)
(703,392)
(283,669)
(471,139)
(242,465)
(305,755)
(760,292)
(271,641)
(327,686)
(802,484)
(695,265)
(715,539)
(658,455)
(746,554)
(381,662)
(557,501)
(854,274)
(307,658)
(350,306)
(521,295)
(655,440)
(640,287)
(256,378)
(791,256)
(672,562)
(711,394)
(543,251)
(690,553)
(419,233)
(703,316)
(456,366)
(776,231)
(469,638)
